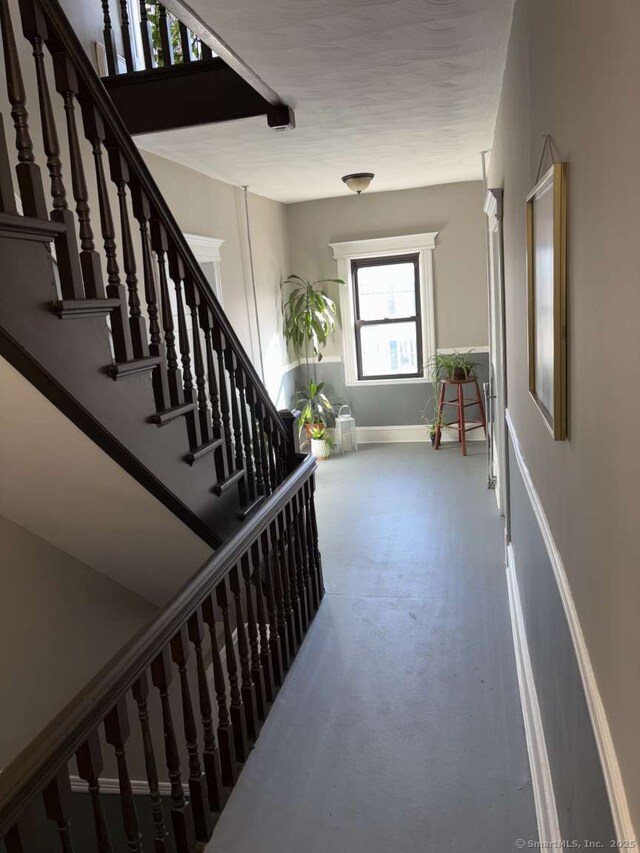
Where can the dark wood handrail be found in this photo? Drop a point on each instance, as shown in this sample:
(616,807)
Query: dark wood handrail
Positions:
(32,770)
(63,35)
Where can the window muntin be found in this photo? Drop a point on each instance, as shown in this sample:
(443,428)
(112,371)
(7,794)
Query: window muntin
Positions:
(387,317)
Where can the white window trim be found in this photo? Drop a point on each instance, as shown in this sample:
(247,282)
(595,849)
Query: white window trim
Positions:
(207,250)
(344,253)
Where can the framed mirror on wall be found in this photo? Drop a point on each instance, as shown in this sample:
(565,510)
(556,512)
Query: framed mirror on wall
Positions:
(547,298)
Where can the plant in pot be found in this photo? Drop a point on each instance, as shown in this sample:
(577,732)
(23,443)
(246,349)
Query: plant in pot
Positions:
(454,366)
(309,319)
(321,442)
(314,406)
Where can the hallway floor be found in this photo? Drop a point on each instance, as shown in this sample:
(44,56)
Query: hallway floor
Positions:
(399,727)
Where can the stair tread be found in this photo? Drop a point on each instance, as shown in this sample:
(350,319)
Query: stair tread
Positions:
(130,368)
(70,308)
(164,417)
(246,512)
(222,485)
(203,450)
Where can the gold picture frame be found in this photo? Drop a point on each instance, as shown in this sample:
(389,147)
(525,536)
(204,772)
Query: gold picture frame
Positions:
(547,297)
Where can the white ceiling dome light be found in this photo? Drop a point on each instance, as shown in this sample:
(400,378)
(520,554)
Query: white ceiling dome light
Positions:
(358,181)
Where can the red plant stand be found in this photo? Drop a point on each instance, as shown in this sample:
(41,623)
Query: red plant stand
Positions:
(460,404)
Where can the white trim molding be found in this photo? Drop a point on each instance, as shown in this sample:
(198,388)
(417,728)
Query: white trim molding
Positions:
(541,779)
(623,824)
(207,250)
(344,253)
(409,432)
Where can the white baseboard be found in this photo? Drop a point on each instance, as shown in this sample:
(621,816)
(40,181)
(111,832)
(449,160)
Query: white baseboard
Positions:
(542,782)
(410,432)
(623,824)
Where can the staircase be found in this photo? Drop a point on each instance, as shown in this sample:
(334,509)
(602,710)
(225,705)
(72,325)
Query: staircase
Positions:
(106,311)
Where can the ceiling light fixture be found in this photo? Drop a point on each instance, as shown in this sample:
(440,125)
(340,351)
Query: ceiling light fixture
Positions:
(358,181)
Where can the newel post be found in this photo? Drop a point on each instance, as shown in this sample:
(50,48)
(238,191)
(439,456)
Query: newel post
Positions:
(289,420)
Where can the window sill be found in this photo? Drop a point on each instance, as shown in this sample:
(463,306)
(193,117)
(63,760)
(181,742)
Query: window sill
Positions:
(411,380)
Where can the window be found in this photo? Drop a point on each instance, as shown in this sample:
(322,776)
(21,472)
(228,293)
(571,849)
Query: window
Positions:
(386,299)
(386,308)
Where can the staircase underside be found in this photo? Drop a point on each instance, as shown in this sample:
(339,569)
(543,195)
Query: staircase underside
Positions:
(203,92)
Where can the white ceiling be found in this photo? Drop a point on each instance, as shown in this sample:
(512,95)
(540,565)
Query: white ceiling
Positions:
(407,89)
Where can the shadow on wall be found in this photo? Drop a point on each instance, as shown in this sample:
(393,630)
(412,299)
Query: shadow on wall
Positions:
(396,404)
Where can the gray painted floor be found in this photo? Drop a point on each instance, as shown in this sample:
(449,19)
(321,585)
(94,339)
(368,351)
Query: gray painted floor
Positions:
(399,726)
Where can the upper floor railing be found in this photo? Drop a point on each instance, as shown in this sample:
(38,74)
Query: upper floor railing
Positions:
(152,37)
(232,632)
(139,272)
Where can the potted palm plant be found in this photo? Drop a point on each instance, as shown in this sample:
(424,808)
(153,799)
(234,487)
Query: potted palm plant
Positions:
(309,319)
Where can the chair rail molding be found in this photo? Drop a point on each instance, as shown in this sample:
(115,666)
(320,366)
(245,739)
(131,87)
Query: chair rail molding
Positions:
(622,822)
(385,247)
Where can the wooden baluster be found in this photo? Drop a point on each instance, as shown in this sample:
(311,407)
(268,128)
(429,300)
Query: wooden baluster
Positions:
(311,487)
(255,429)
(185,43)
(315,560)
(166,42)
(27,171)
(23,836)
(275,640)
(197,780)
(7,197)
(226,739)
(236,709)
(142,212)
(57,805)
(192,296)
(140,692)
(95,132)
(280,591)
(116,728)
(219,346)
(301,533)
(271,454)
(246,435)
(257,671)
(137,325)
(145,34)
(109,43)
(214,395)
(126,35)
(288,625)
(247,690)
(263,625)
(211,753)
(160,245)
(301,613)
(90,765)
(308,539)
(68,86)
(262,446)
(181,814)
(205,51)
(177,273)
(35,30)
(232,367)
(291,562)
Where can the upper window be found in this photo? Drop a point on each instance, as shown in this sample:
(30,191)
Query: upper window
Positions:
(386,300)
(386,308)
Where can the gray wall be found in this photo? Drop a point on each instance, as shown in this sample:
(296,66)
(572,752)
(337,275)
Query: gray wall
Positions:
(385,405)
(61,621)
(572,71)
(578,783)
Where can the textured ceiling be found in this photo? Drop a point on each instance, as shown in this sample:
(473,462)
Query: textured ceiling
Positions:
(407,89)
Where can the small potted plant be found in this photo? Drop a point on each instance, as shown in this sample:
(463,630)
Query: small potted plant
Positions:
(321,442)
(455,366)
(314,407)
(433,426)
